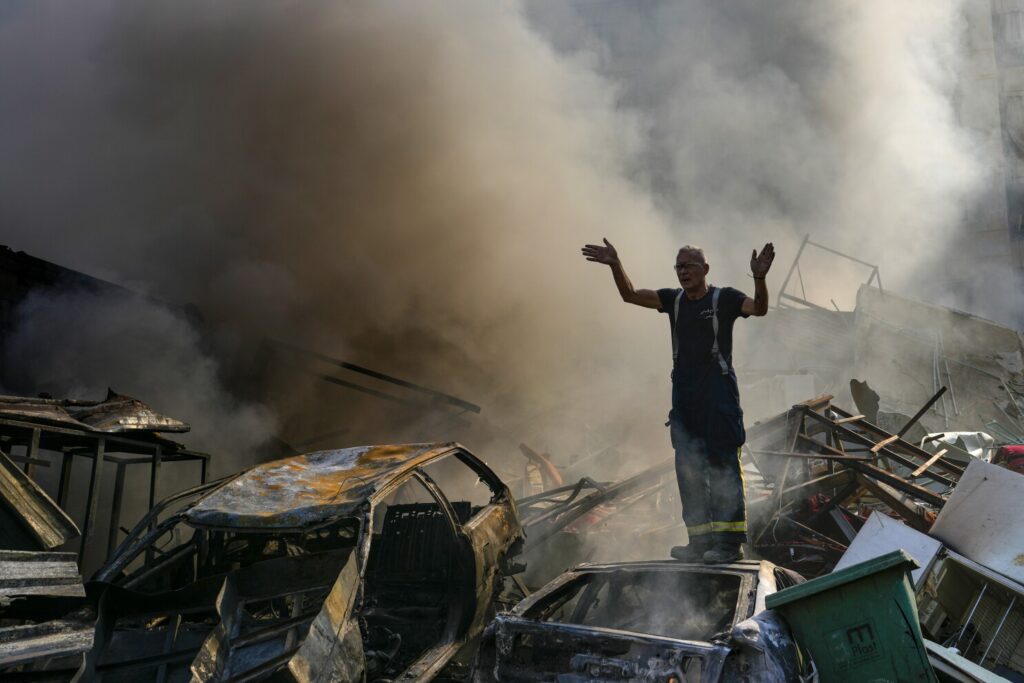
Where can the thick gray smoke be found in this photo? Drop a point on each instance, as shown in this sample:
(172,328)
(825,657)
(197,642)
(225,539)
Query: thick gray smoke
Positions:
(77,343)
(769,121)
(406,184)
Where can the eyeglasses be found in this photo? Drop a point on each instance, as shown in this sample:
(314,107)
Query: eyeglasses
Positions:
(684,266)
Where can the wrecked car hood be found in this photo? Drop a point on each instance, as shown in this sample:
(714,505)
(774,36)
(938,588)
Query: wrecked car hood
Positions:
(310,489)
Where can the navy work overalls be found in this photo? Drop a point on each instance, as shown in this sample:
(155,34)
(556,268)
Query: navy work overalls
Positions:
(706,426)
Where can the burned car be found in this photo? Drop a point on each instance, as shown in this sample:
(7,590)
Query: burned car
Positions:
(370,563)
(659,621)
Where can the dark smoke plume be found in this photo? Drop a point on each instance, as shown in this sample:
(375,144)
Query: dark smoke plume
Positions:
(405,185)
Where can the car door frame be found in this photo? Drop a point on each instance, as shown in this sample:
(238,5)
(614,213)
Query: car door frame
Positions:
(424,667)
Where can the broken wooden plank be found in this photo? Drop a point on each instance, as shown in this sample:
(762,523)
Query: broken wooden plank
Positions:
(887,451)
(931,461)
(916,516)
(902,444)
(812,456)
(893,480)
(815,403)
(883,443)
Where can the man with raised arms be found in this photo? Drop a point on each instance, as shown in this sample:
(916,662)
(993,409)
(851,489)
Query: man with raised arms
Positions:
(706,421)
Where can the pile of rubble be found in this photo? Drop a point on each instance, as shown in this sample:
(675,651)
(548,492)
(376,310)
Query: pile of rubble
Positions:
(829,488)
(419,562)
(407,562)
(819,469)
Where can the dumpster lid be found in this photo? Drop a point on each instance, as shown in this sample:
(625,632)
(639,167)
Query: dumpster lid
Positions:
(839,578)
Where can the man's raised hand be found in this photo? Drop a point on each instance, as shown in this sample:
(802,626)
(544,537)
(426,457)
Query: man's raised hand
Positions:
(760,263)
(599,254)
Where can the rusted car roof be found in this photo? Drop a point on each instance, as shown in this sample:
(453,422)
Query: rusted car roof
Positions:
(307,490)
(114,414)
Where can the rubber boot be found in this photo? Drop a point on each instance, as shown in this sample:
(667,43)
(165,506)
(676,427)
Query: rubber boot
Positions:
(694,552)
(723,553)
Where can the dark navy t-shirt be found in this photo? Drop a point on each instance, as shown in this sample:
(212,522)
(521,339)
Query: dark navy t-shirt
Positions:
(694,327)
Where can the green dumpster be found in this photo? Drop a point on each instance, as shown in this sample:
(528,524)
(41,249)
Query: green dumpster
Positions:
(860,624)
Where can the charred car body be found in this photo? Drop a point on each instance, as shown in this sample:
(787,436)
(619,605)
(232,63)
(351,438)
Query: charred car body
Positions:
(661,621)
(367,563)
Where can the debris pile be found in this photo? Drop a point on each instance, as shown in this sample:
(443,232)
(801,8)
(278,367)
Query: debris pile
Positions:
(47,435)
(970,581)
(354,564)
(418,562)
(829,489)
(820,470)
(46,619)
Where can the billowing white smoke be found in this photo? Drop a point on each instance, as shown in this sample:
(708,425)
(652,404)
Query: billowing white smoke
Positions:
(769,121)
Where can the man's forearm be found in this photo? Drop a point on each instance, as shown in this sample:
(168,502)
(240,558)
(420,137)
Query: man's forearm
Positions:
(760,296)
(626,290)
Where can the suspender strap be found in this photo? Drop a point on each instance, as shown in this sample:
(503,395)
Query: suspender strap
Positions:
(675,330)
(714,325)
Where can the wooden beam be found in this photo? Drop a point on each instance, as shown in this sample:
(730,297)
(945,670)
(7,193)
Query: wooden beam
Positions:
(887,451)
(828,481)
(883,443)
(931,461)
(893,480)
(812,456)
(910,511)
(902,444)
